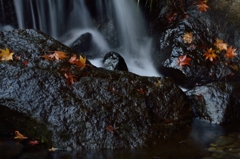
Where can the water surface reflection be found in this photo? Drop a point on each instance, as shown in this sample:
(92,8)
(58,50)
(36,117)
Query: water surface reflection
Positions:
(191,143)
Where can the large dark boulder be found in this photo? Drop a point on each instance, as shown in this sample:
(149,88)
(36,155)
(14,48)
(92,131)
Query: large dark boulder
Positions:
(216,102)
(114,61)
(102,109)
(206,27)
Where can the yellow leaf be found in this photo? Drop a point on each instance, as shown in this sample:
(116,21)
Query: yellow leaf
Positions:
(6,55)
(18,135)
(82,62)
(188,37)
(158,83)
(220,44)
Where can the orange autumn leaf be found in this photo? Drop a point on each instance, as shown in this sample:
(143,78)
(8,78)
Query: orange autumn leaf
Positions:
(57,55)
(73,59)
(18,135)
(220,44)
(188,37)
(202,6)
(230,53)
(6,55)
(184,60)
(70,78)
(210,54)
(80,62)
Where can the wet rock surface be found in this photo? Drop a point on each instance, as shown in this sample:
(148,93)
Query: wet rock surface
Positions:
(206,27)
(103,109)
(216,102)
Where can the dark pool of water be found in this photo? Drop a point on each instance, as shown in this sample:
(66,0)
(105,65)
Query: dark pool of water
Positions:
(191,143)
(200,140)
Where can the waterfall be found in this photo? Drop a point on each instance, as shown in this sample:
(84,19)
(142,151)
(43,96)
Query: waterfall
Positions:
(67,20)
(135,43)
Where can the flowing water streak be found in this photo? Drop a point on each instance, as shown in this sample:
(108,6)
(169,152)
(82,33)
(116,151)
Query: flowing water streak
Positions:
(19,12)
(135,43)
(57,19)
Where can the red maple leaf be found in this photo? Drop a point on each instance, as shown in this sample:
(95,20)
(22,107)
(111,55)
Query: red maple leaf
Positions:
(34,142)
(184,60)
(202,6)
(111,128)
(141,91)
(25,62)
(230,52)
(70,78)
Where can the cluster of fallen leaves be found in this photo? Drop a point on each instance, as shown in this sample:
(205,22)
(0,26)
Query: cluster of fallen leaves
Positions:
(80,62)
(19,137)
(220,46)
(74,60)
(210,54)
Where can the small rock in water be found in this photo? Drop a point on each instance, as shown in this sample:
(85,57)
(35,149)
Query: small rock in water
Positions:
(223,141)
(114,61)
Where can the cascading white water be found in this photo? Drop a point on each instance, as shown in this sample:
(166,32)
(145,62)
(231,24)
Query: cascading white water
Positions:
(135,44)
(65,25)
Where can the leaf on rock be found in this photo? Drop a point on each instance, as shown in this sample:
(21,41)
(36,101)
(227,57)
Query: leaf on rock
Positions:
(6,55)
(188,37)
(141,91)
(230,53)
(25,62)
(210,54)
(80,62)
(73,59)
(57,55)
(202,6)
(184,60)
(19,136)
(220,44)
(158,83)
(70,78)
(111,128)
(53,149)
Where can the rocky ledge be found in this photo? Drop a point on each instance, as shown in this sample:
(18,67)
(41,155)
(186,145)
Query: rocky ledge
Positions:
(99,108)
